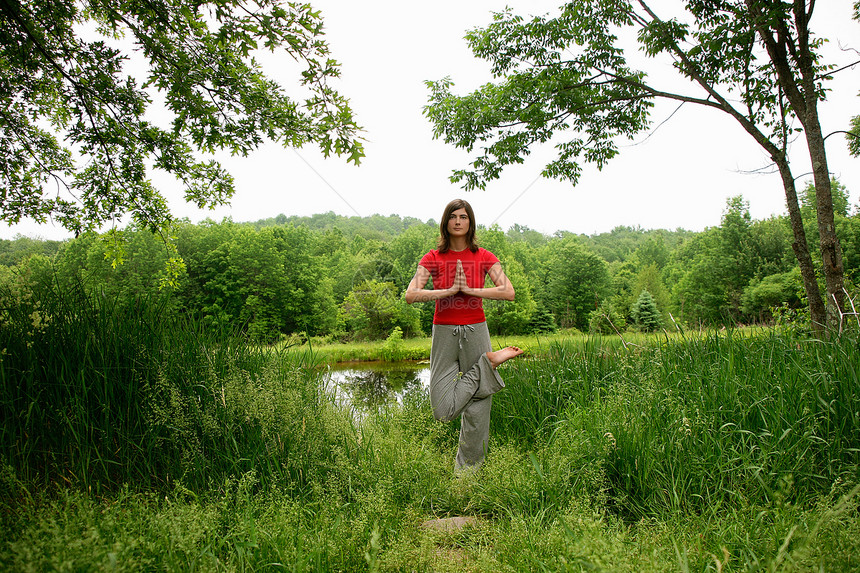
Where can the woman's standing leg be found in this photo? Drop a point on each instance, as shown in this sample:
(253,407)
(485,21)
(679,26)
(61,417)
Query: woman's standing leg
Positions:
(456,350)
(445,396)
(475,419)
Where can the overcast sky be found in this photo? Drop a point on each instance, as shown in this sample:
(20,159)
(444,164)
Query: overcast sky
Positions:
(677,176)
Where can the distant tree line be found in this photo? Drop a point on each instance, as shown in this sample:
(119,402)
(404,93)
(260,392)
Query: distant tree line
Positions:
(343,277)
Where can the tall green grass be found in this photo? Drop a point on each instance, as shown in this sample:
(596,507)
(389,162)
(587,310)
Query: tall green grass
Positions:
(187,449)
(99,394)
(705,422)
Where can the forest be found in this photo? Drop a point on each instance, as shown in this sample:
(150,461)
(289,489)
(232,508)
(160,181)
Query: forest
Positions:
(340,278)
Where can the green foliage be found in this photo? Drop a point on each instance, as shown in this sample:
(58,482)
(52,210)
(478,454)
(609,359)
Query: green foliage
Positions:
(567,74)
(407,248)
(713,272)
(761,297)
(273,281)
(645,314)
(694,453)
(791,321)
(73,113)
(839,196)
(542,93)
(653,251)
(848,229)
(372,309)
(512,317)
(542,321)
(122,264)
(649,278)
(14,251)
(605,319)
(577,280)
(268,280)
(565,78)
(522,233)
(853,136)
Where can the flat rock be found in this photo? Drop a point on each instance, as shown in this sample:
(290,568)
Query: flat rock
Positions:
(449,523)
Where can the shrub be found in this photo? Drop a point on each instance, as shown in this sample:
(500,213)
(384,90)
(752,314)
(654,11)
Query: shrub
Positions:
(392,348)
(606,320)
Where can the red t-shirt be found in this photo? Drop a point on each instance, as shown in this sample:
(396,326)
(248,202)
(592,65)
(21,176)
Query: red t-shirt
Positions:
(460,308)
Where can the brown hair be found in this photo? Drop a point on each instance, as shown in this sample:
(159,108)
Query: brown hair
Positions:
(444,238)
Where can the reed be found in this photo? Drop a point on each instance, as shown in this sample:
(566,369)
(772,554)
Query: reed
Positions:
(710,421)
(96,394)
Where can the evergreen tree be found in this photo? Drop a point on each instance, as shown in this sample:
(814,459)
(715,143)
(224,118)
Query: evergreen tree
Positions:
(645,314)
(542,321)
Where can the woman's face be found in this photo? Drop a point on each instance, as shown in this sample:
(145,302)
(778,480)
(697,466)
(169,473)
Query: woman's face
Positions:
(458,223)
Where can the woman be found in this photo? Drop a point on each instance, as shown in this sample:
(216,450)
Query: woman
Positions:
(463,376)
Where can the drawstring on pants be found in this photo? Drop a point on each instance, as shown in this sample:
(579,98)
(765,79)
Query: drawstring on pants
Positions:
(460,330)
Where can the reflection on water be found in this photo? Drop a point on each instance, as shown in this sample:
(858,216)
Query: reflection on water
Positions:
(369,385)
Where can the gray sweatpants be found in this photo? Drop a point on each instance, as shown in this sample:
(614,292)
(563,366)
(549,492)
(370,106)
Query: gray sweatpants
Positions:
(462,383)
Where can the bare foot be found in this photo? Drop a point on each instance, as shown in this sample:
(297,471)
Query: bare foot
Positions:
(502,355)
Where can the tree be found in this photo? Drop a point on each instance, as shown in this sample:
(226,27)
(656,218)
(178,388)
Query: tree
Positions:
(576,282)
(712,271)
(736,256)
(372,309)
(808,206)
(645,314)
(648,278)
(761,297)
(606,320)
(268,281)
(699,293)
(512,317)
(754,60)
(76,127)
(142,275)
(653,250)
(407,248)
(15,250)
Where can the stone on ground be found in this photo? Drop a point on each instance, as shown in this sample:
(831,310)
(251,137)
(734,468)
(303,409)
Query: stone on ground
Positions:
(449,524)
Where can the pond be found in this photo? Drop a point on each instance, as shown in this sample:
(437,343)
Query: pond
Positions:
(369,385)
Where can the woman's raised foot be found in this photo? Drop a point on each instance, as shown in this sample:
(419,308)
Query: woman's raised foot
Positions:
(503,355)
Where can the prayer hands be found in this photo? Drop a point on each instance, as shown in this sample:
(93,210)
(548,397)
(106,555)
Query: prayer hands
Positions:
(460,283)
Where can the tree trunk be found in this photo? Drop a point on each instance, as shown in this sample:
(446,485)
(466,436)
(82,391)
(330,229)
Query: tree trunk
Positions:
(831,253)
(803,95)
(817,309)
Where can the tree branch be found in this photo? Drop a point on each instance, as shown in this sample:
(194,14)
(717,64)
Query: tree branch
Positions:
(694,74)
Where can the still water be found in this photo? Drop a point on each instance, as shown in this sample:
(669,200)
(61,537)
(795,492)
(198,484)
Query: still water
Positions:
(369,385)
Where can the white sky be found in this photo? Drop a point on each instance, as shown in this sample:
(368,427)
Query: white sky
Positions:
(680,176)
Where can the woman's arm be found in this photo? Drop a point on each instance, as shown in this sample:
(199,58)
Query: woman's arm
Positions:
(416,292)
(503,290)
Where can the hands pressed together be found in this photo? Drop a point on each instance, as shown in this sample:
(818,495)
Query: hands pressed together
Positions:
(460,283)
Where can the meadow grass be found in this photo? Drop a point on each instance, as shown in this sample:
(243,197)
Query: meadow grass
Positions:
(334,352)
(418,348)
(134,444)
